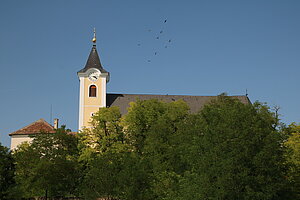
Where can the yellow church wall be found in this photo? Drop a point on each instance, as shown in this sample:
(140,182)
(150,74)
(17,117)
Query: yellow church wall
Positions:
(92,104)
(87,114)
(93,100)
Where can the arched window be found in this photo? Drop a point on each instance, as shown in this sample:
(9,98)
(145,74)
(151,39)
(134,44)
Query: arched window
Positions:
(93,91)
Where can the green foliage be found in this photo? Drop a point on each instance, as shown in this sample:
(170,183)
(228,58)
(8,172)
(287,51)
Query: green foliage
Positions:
(143,116)
(109,162)
(6,172)
(139,155)
(117,175)
(229,150)
(151,128)
(161,146)
(106,134)
(48,164)
(235,153)
(293,156)
(293,143)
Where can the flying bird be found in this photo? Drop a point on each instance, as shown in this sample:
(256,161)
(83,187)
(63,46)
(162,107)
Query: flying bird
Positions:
(160,36)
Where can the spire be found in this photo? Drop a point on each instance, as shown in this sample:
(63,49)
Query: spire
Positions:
(93,60)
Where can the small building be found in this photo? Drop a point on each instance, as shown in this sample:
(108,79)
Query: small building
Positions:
(26,133)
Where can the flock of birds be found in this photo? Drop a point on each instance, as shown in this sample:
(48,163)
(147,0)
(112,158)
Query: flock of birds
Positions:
(160,37)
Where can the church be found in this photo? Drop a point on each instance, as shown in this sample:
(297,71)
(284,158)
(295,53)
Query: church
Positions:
(93,95)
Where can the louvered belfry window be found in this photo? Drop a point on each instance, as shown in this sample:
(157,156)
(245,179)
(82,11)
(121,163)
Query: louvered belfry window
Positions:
(93,91)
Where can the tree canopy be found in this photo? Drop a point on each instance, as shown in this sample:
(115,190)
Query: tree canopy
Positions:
(159,150)
(48,165)
(229,150)
(7,170)
(235,152)
(293,156)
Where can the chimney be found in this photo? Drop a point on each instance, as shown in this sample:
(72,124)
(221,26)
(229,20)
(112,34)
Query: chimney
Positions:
(55,124)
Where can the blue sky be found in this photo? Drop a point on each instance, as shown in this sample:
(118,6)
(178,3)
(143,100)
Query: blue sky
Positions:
(216,46)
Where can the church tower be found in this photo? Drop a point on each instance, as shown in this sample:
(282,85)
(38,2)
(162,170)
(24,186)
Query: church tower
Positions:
(92,91)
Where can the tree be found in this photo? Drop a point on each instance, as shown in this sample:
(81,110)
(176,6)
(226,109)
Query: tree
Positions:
(48,166)
(139,120)
(293,156)
(144,117)
(108,160)
(234,152)
(6,172)
(133,149)
(115,175)
(150,130)
(153,130)
(105,135)
(229,150)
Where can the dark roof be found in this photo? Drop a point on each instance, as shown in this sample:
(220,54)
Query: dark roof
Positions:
(195,102)
(93,61)
(36,127)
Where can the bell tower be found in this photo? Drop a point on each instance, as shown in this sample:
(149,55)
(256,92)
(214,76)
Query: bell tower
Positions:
(92,91)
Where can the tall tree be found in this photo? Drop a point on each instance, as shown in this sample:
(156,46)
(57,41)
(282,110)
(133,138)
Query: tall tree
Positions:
(115,175)
(235,152)
(151,128)
(108,159)
(141,116)
(229,150)
(293,156)
(7,170)
(48,166)
(105,134)
(139,153)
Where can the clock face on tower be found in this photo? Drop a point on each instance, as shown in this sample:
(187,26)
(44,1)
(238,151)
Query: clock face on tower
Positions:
(94,75)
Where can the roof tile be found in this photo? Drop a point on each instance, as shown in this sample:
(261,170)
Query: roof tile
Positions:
(36,127)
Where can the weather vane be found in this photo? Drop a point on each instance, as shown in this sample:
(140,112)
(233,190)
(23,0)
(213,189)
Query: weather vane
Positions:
(94,38)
